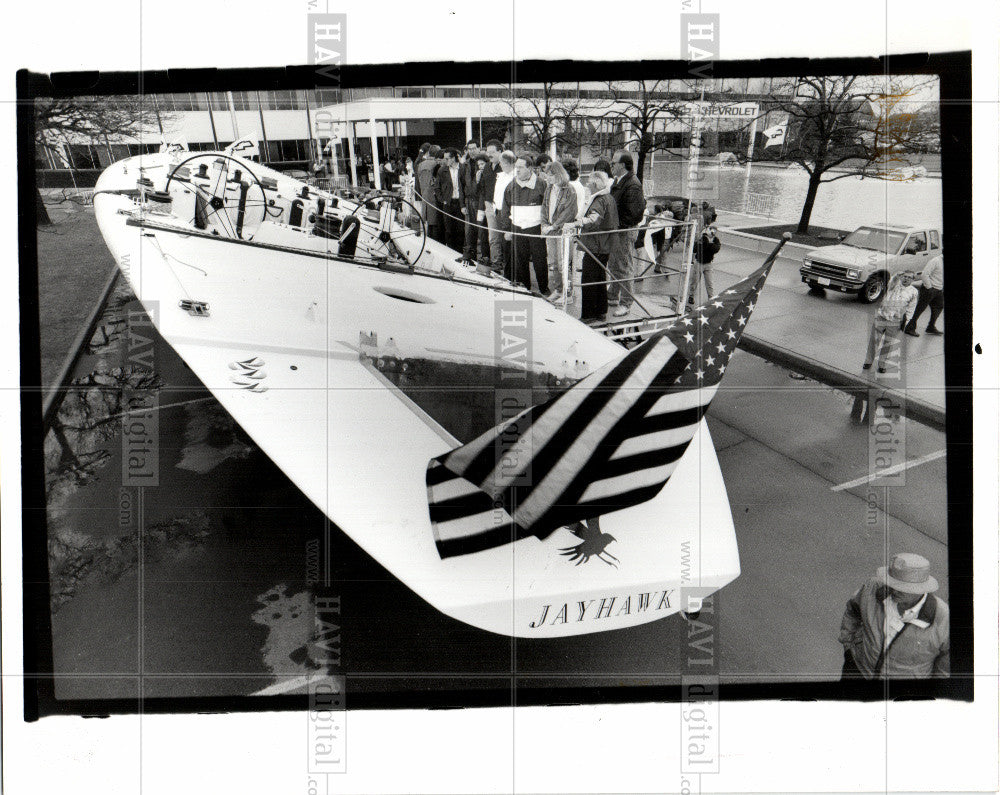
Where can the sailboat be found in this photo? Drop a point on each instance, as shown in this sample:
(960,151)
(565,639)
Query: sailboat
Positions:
(517,469)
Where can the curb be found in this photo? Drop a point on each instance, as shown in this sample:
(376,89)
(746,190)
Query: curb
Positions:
(919,410)
(54,394)
(762,245)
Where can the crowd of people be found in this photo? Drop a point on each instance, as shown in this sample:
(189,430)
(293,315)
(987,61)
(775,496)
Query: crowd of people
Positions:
(532,219)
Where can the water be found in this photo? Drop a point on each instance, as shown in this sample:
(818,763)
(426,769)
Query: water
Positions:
(844,203)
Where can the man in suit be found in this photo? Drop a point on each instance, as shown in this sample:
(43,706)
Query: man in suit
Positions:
(448,192)
(468,188)
(627,193)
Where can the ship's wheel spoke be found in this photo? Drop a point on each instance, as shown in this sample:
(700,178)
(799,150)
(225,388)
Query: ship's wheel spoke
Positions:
(225,199)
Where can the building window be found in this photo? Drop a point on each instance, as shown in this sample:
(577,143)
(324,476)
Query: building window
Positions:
(244,100)
(41,157)
(83,156)
(329,96)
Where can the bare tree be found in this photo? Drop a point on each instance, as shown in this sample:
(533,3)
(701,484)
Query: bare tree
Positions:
(65,120)
(637,105)
(547,112)
(845,126)
(642,106)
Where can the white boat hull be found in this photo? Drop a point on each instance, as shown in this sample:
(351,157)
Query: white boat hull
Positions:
(291,346)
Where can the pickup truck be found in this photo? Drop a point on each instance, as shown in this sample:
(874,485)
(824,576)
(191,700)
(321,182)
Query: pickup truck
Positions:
(864,261)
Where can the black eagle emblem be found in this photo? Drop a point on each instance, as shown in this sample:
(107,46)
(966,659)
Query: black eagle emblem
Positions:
(593,543)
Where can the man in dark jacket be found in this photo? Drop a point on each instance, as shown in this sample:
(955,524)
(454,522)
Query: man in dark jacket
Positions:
(467,188)
(627,193)
(705,249)
(601,216)
(425,181)
(447,191)
(521,212)
(482,245)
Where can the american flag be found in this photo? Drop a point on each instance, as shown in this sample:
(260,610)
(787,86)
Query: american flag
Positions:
(609,442)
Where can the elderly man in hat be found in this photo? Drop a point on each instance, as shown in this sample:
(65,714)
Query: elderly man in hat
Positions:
(894,626)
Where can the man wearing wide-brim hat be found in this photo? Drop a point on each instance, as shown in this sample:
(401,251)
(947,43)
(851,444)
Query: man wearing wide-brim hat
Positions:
(895,626)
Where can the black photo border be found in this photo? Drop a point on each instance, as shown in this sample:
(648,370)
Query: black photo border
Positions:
(955,72)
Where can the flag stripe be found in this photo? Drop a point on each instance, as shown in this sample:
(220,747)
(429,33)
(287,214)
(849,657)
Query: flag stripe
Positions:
(437,474)
(460,507)
(456,487)
(666,421)
(658,440)
(677,399)
(570,459)
(646,459)
(488,539)
(567,413)
(623,499)
(474,524)
(602,489)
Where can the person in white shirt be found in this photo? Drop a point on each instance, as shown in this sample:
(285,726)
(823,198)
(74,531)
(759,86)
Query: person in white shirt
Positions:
(582,203)
(503,178)
(931,295)
(521,218)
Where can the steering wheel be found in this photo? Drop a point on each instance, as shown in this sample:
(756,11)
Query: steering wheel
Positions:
(383,243)
(238,213)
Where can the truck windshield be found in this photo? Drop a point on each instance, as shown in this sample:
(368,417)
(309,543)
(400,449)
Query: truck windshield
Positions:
(875,239)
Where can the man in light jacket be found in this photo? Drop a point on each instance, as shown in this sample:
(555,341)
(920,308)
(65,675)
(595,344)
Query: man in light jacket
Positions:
(501,180)
(894,626)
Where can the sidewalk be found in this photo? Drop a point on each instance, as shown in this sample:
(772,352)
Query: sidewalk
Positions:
(822,337)
(829,332)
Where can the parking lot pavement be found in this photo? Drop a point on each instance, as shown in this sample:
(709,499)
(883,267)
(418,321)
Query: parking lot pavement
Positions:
(832,330)
(787,448)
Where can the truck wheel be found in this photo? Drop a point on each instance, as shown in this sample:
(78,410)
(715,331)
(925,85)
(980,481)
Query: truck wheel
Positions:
(873,289)
(816,289)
